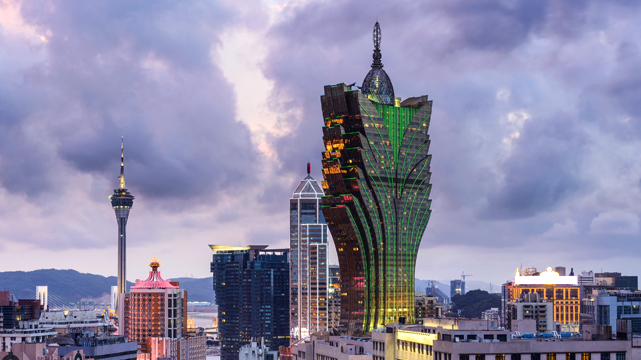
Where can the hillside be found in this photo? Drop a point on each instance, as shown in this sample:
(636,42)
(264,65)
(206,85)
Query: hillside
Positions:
(69,286)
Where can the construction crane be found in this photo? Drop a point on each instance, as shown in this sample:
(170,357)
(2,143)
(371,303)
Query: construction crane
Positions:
(463,276)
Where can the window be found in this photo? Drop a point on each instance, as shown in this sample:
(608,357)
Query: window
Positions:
(536,356)
(464,357)
(499,357)
(585,356)
(515,357)
(620,356)
(570,356)
(480,357)
(550,357)
(605,356)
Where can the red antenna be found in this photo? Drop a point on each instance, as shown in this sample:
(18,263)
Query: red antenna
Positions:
(309,168)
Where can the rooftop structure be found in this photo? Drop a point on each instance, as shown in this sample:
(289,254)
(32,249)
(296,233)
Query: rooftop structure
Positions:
(377,184)
(122,201)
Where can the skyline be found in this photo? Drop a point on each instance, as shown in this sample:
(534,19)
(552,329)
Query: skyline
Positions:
(535,136)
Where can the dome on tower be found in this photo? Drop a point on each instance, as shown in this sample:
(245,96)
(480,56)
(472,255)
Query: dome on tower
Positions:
(377,85)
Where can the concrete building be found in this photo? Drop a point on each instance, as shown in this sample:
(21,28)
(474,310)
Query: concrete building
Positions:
(492,314)
(606,307)
(322,346)
(256,350)
(154,308)
(192,348)
(64,322)
(159,347)
(427,306)
(531,307)
(456,339)
(309,251)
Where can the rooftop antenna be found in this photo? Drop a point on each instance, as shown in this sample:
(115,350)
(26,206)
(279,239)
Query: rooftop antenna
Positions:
(121,178)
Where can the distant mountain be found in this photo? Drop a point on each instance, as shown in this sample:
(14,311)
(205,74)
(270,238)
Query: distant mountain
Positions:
(69,286)
(197,289)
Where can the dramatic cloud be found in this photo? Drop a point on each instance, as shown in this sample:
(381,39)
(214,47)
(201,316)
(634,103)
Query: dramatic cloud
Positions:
(535,131)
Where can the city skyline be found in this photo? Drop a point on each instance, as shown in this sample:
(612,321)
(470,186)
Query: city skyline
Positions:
(535,137)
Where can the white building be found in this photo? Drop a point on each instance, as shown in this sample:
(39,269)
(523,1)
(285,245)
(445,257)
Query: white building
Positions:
(256,350)
(27,332)
(309,251)
(65,321)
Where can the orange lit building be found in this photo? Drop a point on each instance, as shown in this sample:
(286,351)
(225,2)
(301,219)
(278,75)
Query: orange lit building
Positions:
(563,292)
(154,308)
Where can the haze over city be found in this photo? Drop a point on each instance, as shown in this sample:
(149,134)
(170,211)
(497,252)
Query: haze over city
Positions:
(535,137)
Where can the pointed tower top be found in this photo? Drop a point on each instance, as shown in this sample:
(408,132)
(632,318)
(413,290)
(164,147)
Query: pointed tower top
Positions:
(376,36)
(121,178)
(377,85)
(309,168)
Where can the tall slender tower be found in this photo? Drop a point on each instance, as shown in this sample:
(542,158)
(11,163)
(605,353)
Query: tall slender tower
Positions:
(309,269)
(377,185)
(122,201)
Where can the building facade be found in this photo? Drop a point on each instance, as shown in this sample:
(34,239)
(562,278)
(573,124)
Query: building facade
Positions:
(154,308)
(531,307)
(122,201)
(252,294)
(322,346)
(334,300)
(457,287)
(377,184)
(605,308)
(308,250)
(427,307)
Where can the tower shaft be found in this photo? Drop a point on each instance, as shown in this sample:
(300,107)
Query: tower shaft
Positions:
(122,253)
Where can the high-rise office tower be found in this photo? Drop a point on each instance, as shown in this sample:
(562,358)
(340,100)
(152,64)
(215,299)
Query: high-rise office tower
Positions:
(308,250)
(457,287)
(155,307)
(377,181)
(252,294)
(122,201)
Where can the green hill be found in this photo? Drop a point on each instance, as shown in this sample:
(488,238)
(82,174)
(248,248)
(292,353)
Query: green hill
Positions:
(69,286)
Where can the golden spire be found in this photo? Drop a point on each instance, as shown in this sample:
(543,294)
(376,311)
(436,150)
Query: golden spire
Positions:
(155,264)
(121,178)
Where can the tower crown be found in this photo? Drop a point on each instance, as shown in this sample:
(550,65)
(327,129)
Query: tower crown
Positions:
(121,178)
(377,85)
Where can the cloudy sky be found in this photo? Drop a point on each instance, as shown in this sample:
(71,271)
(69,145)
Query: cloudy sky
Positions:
(536,128)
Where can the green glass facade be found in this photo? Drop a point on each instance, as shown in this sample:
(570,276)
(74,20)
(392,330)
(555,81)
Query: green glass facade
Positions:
(377,185)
